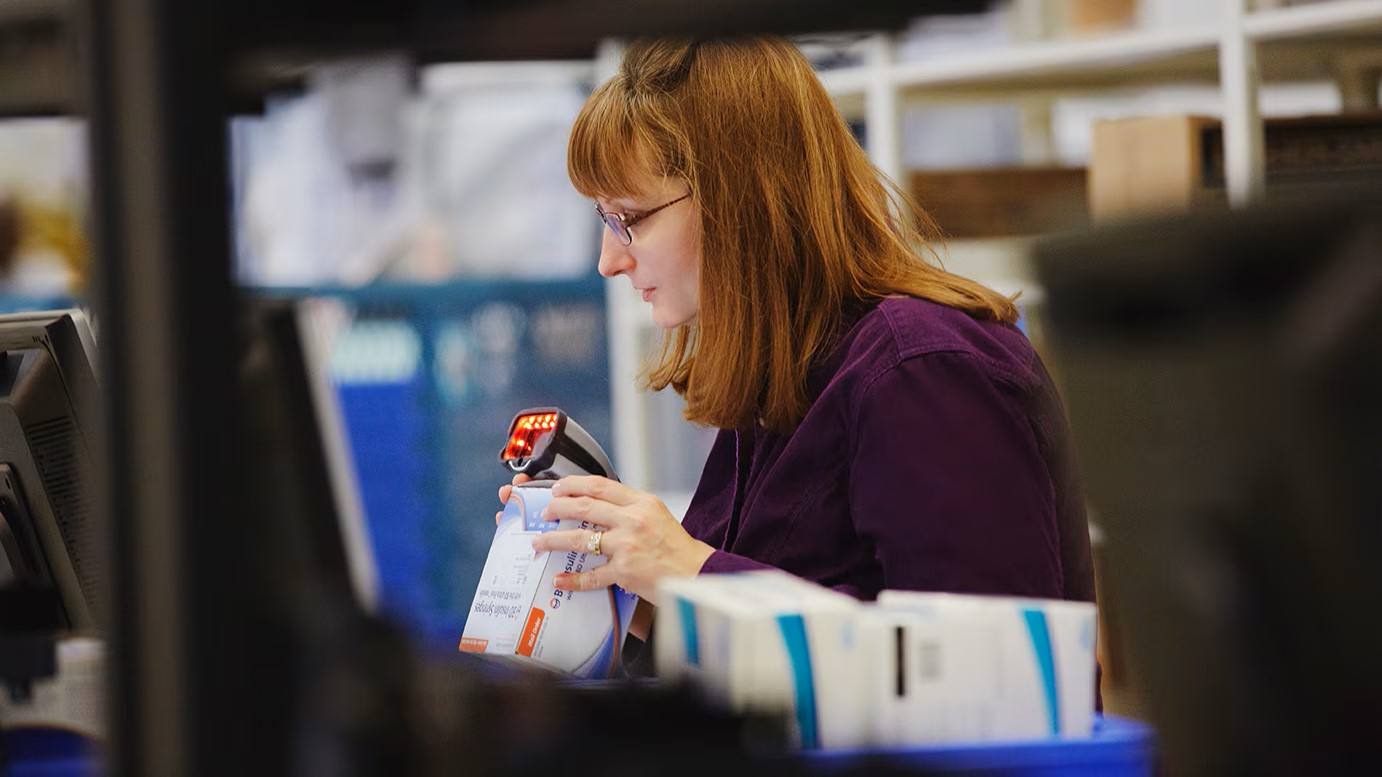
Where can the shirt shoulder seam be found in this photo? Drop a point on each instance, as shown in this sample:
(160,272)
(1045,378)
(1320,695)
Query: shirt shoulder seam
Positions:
(1000,372)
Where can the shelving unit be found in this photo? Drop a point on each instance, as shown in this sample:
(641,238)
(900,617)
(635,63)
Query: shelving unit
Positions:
(1118,60)
(1316,37)
(1338,40)
(1335,40)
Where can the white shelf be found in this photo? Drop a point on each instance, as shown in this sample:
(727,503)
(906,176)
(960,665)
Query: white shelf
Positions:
(1314,37)
(1111,61)
(1114,60)
(1346,18)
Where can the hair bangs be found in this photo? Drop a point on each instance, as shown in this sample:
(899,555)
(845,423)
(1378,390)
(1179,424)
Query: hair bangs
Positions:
(608,155)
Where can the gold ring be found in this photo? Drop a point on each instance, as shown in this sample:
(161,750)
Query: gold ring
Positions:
(593,544)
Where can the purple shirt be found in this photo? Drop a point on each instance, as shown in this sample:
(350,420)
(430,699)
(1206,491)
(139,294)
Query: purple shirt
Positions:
(935,457)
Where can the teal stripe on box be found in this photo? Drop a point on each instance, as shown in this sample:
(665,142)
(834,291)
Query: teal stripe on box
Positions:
(1046,663)
(803,681)
(692,642)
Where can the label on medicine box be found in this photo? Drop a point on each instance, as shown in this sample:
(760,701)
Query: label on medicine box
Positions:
(972,668)
(519,612)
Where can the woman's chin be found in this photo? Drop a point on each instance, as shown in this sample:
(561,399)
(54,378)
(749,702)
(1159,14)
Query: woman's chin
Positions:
(666,320)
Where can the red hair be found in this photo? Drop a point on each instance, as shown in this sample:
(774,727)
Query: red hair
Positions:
(796,224)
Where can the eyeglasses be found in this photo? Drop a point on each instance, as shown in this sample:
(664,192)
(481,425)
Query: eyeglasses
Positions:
(620,224)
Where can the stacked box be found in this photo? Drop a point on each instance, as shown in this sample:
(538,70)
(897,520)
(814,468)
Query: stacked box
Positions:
(768,642)
(913,669)
(981,668)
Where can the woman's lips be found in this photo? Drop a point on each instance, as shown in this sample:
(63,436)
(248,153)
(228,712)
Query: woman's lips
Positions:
(648,293)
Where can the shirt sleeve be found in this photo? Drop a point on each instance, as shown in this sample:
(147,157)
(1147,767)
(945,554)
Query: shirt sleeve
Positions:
(723,561)
(948,483)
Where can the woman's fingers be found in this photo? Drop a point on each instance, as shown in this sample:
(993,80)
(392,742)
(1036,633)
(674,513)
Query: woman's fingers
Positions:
(642,540)
(603,489)
(584,508)
(598,577)
(577,540)
(507,488)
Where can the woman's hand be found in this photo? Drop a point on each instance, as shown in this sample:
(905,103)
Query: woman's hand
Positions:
(641,539)
(504,492)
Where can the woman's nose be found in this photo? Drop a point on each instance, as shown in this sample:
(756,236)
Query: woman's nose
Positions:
(614,255)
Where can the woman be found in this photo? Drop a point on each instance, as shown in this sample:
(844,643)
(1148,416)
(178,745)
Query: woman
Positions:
(883,423)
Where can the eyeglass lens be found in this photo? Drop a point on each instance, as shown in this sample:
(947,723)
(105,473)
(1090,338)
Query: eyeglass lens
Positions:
(616,225)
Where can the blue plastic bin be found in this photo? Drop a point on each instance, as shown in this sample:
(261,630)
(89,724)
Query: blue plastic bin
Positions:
(50,752)
(1119,748)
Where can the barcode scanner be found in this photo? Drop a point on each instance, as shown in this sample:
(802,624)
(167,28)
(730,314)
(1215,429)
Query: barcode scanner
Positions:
(544,443)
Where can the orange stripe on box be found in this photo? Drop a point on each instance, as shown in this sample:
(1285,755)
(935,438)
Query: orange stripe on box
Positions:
(473,645)
(530,629)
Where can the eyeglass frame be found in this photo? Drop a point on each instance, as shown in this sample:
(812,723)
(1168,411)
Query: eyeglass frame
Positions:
(628,222)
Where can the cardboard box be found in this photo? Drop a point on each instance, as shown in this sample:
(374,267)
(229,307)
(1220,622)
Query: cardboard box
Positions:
(1146,165)
(979,668)
(1003,202)
(518,613)
(1171,164)
(771,643)
(1087,17)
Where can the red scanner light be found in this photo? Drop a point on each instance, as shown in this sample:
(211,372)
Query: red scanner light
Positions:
(526,430)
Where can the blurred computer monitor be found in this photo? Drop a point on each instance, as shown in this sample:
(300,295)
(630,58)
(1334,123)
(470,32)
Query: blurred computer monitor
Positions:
(297,465)
(300,469)
(49,400)
(1223,375)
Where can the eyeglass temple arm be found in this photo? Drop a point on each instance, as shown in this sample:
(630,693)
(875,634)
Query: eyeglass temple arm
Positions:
(629,222)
